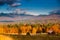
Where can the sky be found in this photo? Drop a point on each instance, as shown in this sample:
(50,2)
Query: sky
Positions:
(34,7)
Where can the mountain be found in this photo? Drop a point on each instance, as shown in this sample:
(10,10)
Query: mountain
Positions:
(13,14)
(55,12)
(12,17)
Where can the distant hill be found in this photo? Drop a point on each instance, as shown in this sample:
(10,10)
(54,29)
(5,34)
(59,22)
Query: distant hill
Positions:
(13,14)
(12,17)
(55,12)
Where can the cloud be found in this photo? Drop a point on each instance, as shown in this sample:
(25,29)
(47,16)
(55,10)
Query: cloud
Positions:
(22,11)
(32,13)
(18,11)
(15,4)
(56,12)
(9,2)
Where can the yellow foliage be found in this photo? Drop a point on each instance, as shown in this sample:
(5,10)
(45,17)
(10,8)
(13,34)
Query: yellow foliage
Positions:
(34,30)
(55,28)
(13,30)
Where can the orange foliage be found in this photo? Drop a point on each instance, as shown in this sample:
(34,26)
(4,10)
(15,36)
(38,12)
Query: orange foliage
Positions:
(1,30)
(28,28)
(13,30)
(40,28)
(23,29)
(34,30)
(55,28)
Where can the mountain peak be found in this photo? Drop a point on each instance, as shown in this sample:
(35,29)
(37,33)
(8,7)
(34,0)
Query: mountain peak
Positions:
(55,12)
(14,14)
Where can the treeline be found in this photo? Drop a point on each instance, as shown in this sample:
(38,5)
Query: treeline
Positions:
(27,29)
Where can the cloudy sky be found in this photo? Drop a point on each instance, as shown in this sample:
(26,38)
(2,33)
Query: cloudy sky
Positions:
(34,7)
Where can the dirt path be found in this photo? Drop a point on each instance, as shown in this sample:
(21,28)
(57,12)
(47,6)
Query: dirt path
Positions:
(3,37)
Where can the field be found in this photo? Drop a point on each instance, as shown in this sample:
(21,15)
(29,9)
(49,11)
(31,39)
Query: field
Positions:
(30,30)
(35,37)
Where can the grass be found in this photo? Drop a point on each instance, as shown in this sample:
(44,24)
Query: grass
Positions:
(35,37)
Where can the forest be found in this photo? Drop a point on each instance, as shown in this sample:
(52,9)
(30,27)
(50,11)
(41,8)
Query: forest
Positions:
(30,29)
